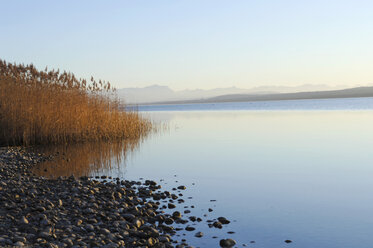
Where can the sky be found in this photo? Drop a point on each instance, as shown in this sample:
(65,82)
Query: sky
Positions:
(194,43)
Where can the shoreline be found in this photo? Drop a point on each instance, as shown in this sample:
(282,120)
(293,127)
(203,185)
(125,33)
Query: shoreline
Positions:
(66,212)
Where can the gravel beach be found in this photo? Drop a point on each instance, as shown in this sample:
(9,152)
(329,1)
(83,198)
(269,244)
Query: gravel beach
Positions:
(79,212)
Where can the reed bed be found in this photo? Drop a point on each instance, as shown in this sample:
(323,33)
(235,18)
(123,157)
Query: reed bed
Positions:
(53,107)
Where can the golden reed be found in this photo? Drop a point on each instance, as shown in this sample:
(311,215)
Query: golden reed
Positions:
(52,107)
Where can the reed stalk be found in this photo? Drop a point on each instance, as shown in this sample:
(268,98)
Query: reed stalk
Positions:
(53,107)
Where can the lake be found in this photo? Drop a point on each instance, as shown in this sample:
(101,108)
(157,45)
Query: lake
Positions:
(300,170)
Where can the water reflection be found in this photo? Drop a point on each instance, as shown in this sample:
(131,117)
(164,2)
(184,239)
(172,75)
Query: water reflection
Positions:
(86,159)
(299,175)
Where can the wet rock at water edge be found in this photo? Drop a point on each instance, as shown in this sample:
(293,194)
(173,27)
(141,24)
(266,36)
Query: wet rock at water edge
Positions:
(193,218)
(199,235)
(190,228)
(227,243)
(217,224)
(176,215)
(171,205)
(169,221)
(223,220)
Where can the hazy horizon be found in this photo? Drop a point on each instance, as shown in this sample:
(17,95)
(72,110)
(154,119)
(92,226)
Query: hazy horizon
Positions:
(321,86)
(163,93)
(195,44)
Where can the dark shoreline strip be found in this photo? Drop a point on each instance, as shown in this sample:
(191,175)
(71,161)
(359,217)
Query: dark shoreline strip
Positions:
(66,212)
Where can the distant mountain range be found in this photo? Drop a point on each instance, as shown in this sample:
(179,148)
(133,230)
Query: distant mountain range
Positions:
(345,93)
(158,93)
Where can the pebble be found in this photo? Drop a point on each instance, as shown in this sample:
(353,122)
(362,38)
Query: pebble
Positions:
(24,220)
(190,228)
(227,243)
(223,220)
(90,227)
(217,224)
(19,244)
(176,215)
(171,206)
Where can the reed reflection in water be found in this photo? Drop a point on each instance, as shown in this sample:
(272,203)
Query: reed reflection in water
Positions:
(85,159)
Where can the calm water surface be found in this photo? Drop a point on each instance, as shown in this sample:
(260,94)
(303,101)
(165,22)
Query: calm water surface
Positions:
(299,170)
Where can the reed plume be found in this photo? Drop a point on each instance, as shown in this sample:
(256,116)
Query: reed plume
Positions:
(53,107)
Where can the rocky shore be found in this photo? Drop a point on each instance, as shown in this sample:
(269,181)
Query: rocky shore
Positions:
(82,212)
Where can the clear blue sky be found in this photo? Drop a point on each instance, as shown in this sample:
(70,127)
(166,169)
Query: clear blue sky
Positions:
(194,43)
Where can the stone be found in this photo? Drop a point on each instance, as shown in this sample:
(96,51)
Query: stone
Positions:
(169,221)
(151,242)
(223,220)
(227,243)
(163,239)
(24,220)
(171,206)
(45,235)
(104,231)
(217,224)
(190,228)
(90,227)
(19,244)
(176,215)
